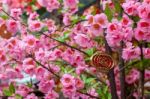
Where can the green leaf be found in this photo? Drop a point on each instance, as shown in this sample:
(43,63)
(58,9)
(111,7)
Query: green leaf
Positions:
(89,80)
(117,7)
(90,51)
(17,96)
(6,92)
(64,37)
(108,12)
(109,96)
(11,88)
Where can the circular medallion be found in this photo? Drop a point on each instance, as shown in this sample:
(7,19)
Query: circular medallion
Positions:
(102,62)
(4,33)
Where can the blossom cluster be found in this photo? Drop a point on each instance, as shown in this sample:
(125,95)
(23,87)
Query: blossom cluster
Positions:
(58,54)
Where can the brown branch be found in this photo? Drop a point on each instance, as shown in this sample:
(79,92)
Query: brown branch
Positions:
(111,75)
(122,72)
(142,72)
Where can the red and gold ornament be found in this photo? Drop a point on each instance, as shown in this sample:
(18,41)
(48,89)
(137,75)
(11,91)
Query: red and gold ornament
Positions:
(102,62)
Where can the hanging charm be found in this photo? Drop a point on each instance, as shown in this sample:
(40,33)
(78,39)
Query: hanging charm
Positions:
(102,62)
(4,33)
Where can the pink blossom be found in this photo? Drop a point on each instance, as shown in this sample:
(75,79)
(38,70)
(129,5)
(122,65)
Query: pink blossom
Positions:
(90,19)
(29,66)
(13,26)
(49,4)
(46,85)
(144,11)
(11,73)
(39,72)
(31,96)
(146,53)
(33,16)
(67,19)
(126,21)
(130,7)
(133,76)
(96,29)
(130,53)
(50,24)
(16,13)
(82,40)
(35,26)
(70,3)
(80,69)
(79,83)
(140,34)
(127,34)
(114,39)
(147,74)
(3,57)
(51,95)
(101,19)
(69,91)
(93,92)
(23,90)
(30,41)
(67,80)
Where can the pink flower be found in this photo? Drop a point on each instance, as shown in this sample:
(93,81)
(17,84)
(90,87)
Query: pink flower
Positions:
(13,26)
(28,61)
(67,19)
(70,3)
(114,39)
(80,69)
(93,92)
(46,85)
(79,83)
(39,72)
(82,40)
(3,57)
(33,16)
(50,24)
(49,4)
(127,34)
(30,41)
(29,66)
(31,96)
(146,53)
(130,53)
(23,90)
(140,34)
(133,76)
(96,29)
(67,80)
(69,91)
(35,26)
(16,13)
(51,95)
(90,19)
(126,21)
(11,73)
(101,19)
(113,27)
(130,7)
(144,11)
(147,74)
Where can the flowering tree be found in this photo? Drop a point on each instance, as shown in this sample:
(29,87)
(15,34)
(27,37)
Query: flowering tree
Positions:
(74,51)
